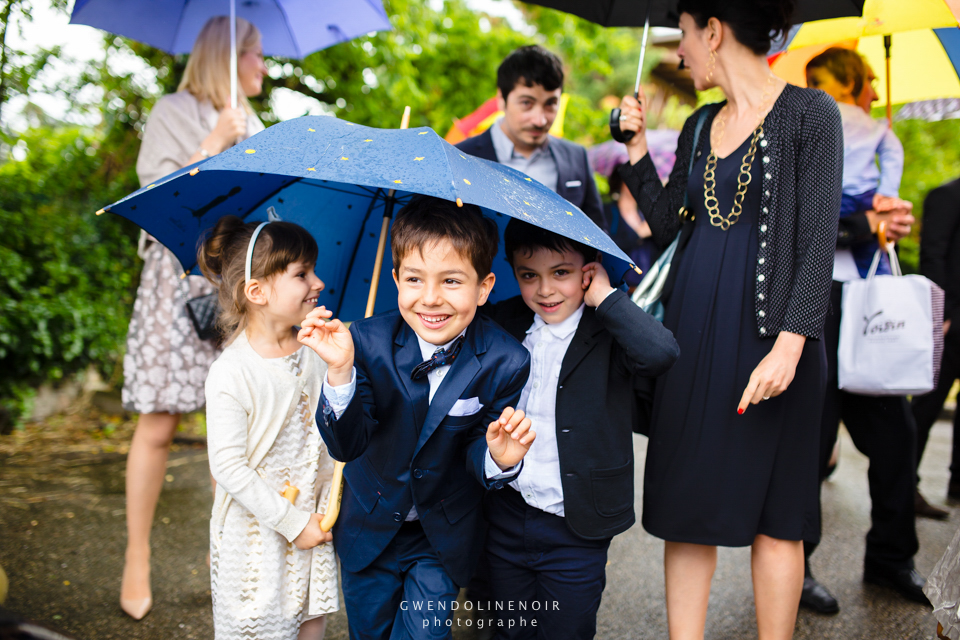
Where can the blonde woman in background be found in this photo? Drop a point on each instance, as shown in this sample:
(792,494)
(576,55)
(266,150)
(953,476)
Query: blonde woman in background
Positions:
(166,362)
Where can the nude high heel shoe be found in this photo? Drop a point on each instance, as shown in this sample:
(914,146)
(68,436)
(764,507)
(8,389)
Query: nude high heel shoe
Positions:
(136,609)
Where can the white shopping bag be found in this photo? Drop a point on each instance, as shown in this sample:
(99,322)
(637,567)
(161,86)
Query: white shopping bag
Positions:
(891,333)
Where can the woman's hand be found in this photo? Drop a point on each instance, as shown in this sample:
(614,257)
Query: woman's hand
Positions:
(332,341)
(775,372)
(231,126)
(312,535)
(633,117)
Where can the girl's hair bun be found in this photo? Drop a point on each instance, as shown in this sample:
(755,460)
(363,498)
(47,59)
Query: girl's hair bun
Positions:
(211,256)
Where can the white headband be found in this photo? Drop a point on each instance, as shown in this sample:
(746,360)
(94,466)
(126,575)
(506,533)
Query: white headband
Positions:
(253,242)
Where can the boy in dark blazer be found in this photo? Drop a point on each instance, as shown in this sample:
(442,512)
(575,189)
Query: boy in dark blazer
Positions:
(418,403)
(550,531)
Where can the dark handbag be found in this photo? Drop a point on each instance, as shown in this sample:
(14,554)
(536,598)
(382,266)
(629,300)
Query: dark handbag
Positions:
(203,312)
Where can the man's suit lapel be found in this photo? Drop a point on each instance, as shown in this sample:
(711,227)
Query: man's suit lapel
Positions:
(584,340)
(458,377)
(406,356)
(564,168)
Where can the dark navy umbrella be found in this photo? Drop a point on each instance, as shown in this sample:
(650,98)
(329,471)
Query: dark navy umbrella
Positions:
(334,178)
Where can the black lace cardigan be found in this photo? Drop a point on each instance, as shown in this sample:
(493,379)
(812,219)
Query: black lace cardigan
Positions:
(802,155)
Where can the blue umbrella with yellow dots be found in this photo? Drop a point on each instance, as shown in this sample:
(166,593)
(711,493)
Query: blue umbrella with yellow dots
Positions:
(342,182)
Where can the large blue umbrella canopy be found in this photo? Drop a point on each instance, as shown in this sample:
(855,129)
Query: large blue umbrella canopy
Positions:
(290,28)
(334,178)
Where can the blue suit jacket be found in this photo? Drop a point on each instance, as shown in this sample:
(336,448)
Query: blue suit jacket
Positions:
(574,176)
(402,450)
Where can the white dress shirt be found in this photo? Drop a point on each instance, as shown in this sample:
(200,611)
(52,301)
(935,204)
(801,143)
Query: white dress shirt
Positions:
(340,396)
(539,484)
(541,165)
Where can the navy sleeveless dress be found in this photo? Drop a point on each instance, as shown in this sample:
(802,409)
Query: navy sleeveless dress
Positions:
(712,476)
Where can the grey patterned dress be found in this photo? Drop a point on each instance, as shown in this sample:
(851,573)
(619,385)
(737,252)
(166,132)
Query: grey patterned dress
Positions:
(166,363)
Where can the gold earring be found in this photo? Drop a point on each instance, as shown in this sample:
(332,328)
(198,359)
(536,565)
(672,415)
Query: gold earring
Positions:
(711,65)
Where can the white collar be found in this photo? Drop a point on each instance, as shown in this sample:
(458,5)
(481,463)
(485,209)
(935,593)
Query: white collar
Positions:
(503,144)
(561,330)
(427,349)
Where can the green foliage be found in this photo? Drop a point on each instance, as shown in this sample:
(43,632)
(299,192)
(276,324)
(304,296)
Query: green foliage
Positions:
(66,276)
(932,157)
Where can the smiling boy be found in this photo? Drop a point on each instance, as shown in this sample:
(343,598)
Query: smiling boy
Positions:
(418,403)
(550,531)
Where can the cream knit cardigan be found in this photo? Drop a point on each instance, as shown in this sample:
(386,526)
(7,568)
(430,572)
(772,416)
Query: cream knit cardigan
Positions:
(248,402)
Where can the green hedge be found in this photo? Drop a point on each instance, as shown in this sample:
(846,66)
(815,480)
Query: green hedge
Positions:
(67,276)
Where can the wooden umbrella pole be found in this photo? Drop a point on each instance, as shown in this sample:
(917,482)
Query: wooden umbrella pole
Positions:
(887,42)
(384,228)
(336,489)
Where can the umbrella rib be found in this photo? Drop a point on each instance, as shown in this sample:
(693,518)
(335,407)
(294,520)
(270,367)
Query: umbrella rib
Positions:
(286,18)
(353,255)
(268,196)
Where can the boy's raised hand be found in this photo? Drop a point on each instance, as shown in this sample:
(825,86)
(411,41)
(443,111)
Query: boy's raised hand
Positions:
(509,438)
(596,282)
(332,341)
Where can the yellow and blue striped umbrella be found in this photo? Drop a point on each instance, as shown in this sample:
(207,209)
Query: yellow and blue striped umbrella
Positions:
(924,52)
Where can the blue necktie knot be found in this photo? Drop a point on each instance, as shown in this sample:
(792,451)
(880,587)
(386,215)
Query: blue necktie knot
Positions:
(440,358)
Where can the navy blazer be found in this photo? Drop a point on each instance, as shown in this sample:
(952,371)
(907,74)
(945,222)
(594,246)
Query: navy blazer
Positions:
(574,177)
(614,346)
(402,450)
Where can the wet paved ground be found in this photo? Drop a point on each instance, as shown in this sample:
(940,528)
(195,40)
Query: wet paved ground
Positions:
(62,539)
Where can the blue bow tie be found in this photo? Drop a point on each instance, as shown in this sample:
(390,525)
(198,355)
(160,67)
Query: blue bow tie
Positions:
(440,358)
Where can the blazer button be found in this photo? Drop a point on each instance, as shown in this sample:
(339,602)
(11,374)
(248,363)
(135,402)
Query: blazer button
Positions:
(417,473)
(397,516)
(498,484)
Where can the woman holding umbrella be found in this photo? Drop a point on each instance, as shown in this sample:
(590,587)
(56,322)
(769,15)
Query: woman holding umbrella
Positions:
(732,457)
(166,362)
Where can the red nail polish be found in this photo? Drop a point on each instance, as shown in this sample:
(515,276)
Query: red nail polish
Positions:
(740,411)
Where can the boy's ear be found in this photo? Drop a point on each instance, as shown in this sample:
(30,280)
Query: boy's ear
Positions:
(486,286)
(396,280)
(501,101)
(255,292)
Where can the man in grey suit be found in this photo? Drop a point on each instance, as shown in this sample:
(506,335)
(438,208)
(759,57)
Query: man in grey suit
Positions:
(529,84)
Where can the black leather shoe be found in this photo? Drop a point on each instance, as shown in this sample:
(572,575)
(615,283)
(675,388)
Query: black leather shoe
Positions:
(816,597)
(926,510)
(907,582)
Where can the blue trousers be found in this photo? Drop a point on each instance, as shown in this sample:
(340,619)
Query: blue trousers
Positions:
(405,594)
(546,582)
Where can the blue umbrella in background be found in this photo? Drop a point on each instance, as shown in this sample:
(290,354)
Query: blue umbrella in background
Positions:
(335,179)
(290,28)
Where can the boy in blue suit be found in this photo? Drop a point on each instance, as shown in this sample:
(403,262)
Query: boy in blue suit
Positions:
(418,403)
(546,549)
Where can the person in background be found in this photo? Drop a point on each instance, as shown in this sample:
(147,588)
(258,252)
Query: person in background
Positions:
(629,229)
(166,362)
(732,451)
(881,427)
(529,84)
(940,261)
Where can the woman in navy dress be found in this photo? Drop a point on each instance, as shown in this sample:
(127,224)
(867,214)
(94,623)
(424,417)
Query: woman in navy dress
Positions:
(733,453)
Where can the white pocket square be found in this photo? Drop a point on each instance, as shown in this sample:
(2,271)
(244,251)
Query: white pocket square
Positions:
(465,407)
(573,183)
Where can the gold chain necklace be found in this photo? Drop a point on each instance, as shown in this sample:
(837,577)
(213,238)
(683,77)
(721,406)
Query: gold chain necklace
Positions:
(743,179)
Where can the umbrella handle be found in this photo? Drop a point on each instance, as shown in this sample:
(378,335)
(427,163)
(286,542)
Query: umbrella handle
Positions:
(882,235)
(233,54)
(616,132)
